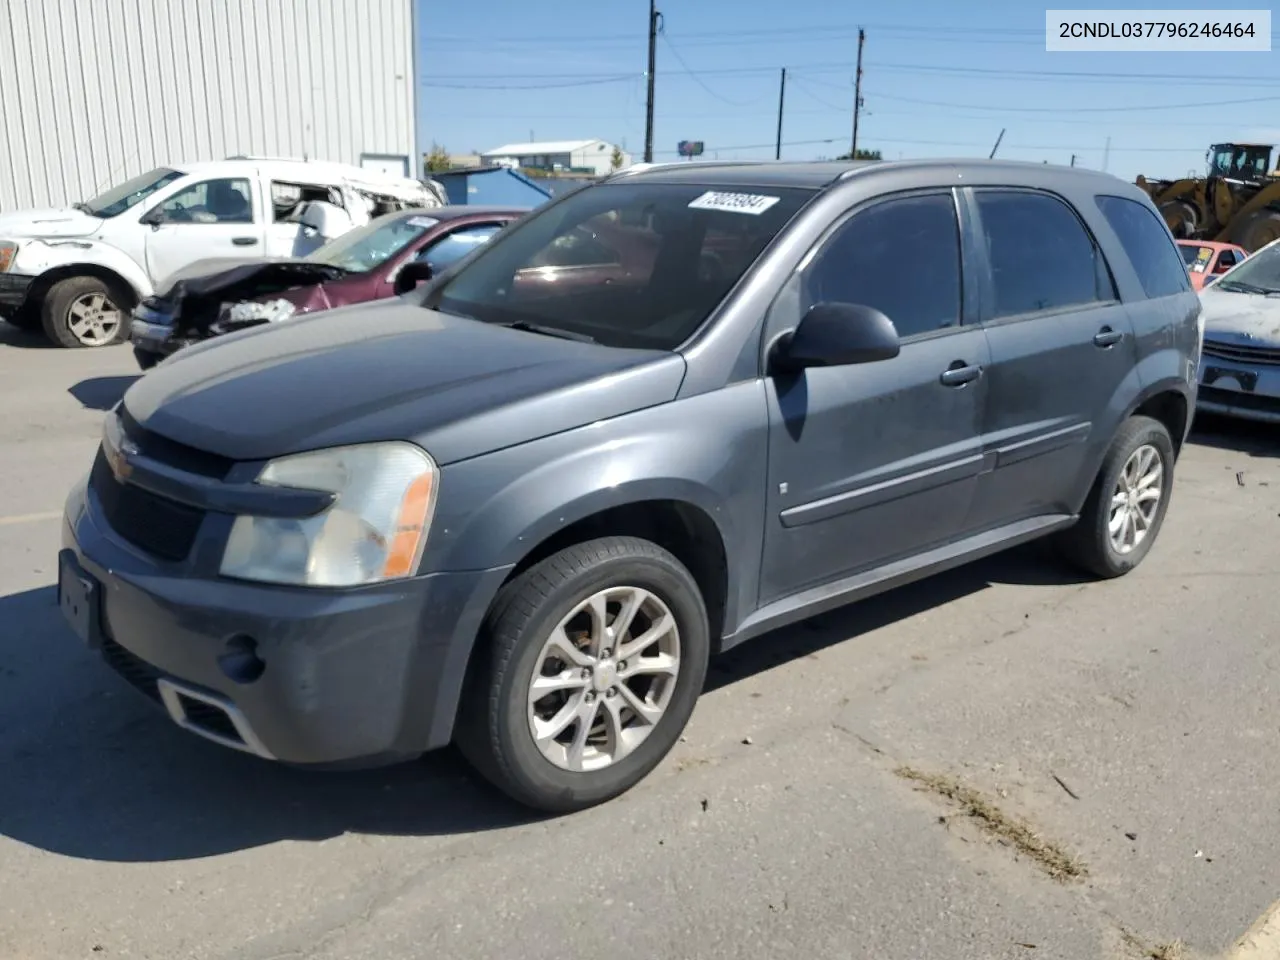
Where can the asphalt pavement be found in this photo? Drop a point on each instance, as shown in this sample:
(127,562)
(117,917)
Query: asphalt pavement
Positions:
(1002,762)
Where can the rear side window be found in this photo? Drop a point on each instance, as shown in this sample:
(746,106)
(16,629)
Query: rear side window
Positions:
(1040,255)
(1146,243)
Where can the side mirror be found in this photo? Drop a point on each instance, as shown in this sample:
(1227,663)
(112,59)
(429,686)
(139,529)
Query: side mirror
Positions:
(836,334)
(411,274)
(153,217)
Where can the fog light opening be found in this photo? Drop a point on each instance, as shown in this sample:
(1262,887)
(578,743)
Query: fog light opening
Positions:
(241,662)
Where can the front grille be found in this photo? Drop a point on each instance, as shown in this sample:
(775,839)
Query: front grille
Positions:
(1245,401)
(140,674)
(1242,353)
(156,525)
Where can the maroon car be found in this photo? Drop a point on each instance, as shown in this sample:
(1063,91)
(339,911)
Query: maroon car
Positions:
(204,301)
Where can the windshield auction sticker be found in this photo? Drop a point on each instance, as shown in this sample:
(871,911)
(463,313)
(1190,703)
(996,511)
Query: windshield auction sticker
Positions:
(752,203)
(1170,31)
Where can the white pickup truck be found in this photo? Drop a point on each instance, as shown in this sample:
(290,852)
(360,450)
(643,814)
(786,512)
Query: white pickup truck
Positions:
(76,273)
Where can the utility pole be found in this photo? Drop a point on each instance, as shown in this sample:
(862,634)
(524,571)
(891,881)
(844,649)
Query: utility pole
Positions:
(1073,159)
(1106,155)
(857,95)
(653,62)
(997,146)
(782,96)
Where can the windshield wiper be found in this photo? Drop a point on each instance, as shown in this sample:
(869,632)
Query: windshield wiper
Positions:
(528,327)
(1241,286)
(82,207)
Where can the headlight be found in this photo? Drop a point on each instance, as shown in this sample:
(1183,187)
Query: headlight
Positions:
(8,251)
(375,529)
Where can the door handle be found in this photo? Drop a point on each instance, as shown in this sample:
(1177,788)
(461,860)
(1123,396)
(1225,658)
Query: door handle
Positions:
(1106,337)
(958,374)
(244,241)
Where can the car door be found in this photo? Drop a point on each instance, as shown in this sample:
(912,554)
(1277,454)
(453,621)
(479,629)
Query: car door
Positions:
(874,462)
(212,219)
(1061,346)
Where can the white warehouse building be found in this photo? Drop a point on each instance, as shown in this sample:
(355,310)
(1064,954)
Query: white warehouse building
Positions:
(595,156)
(99,92)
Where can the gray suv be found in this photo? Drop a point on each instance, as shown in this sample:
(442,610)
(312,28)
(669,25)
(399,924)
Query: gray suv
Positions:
(519,507)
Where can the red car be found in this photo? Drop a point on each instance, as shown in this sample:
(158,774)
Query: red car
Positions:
(204,301)
(1206,258)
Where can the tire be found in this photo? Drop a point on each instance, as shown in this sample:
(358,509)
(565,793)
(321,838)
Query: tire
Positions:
(146,359)
(1088,544)
(1257,230)
(98,298)
(495,730)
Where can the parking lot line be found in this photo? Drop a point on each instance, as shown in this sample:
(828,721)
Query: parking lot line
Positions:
(1262,942)
(30,518)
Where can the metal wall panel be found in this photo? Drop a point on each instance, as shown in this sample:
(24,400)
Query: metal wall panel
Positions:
(93,92)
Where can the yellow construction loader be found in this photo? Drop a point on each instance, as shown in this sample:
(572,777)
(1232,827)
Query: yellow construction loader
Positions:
(1238,201)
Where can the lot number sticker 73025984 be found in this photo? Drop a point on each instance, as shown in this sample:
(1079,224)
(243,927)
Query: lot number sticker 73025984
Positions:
(752,203)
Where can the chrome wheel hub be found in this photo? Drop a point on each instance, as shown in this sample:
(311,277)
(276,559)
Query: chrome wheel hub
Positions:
(93,319)
(604,679)
(1136,499)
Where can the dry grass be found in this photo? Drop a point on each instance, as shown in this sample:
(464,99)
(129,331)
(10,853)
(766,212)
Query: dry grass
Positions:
(1051,858)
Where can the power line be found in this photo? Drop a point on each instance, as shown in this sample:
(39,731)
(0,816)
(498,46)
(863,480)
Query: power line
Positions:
(1143,108)
(696,79)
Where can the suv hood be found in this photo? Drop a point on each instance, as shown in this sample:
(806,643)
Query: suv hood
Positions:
(391,371)
(1241,316)
(50,224)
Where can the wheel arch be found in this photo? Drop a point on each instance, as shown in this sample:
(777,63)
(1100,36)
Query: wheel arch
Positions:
(45,282)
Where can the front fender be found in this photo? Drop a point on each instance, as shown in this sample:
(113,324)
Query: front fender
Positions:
(35,258)
(708,451)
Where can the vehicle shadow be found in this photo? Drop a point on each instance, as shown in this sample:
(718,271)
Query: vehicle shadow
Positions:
(94,771)
(102,393)
(1241,436)
(11,336)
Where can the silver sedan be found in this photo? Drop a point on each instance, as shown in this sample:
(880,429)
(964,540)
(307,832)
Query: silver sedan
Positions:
(1240,366)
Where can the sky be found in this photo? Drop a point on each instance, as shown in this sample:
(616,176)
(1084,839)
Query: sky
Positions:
(940,79)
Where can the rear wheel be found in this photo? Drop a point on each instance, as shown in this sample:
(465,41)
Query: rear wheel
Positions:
(1181,217)
(592,665)
(84,312)
(1126,507)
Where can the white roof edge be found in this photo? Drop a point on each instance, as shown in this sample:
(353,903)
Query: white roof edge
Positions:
(540,146)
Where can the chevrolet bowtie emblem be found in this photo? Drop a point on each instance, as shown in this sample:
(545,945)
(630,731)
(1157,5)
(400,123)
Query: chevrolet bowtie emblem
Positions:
(118,459)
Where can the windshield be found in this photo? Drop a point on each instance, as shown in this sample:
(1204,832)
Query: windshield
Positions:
(375,243)
(128,194)
(1259,273)
(624,264)
(1190,254)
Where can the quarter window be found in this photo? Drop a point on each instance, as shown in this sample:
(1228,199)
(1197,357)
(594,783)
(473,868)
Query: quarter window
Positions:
(1040,255)
(901,257)
(1148,246)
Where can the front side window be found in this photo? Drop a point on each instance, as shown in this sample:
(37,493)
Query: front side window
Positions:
(373,244)
(211,201)
(625,264)
(901,257)
(1039,254)
(448,250)
(129,194)
(1148,246)
(1191,254)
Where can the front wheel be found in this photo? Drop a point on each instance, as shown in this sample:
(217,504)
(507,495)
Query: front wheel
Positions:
(83,312)
(1126,507)
(593,660)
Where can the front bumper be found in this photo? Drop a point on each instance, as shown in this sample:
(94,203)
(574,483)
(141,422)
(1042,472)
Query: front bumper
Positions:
(365,676)
(13,291)
(153,332)
(1242,389)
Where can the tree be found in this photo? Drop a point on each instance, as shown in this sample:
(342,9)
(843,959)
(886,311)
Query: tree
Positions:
(861,155)
(615,161)
(437,159)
